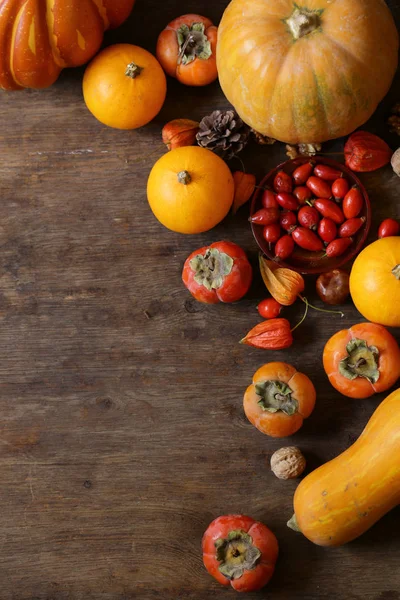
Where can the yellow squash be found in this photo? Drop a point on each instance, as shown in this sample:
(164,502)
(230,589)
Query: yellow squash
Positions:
(342,499)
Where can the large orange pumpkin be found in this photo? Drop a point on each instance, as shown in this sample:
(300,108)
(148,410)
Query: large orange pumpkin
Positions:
(375,282)
(306,71)
(38,38)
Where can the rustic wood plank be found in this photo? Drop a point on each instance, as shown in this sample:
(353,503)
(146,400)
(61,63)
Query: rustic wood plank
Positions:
(123,436)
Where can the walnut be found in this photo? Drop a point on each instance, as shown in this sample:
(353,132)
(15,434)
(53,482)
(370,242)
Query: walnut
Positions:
(288,463)
(396,162)
(261,139)
(302,150)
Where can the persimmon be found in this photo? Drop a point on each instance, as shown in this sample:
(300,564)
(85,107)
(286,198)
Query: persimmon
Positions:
(186,49)
(124,86)
(240,552)
(279,399)
(362,360)
(220,272)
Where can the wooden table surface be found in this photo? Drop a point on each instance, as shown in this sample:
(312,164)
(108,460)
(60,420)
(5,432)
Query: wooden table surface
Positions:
(122,428)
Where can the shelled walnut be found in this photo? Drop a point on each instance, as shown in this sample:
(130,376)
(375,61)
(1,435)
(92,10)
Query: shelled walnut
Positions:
(288,463)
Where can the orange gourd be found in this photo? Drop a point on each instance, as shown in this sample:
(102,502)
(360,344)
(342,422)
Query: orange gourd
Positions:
(375,282)
(124,86)
(190,189)
(306,71)
(362,361)
(39,38)
(341,500)
(279,399)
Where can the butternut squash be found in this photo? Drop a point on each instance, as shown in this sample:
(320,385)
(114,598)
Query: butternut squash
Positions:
(341,500)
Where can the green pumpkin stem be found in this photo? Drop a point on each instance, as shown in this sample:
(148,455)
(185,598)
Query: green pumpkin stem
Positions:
(396,271)
(133,70)
(184,177)
(303,21)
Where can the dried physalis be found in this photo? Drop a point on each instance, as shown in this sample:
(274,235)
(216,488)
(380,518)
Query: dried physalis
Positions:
(180,132)
(245,184)
(365,152)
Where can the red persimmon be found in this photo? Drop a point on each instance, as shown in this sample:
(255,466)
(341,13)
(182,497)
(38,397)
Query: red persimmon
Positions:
(217,273)
(240,552)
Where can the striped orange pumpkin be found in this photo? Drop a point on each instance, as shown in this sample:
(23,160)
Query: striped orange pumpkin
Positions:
(39,38)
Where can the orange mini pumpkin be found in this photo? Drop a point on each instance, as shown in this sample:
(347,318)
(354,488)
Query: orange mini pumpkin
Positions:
(279,399)
(39,38)
(362,360)
(187,48)
(124,86)
(190,189)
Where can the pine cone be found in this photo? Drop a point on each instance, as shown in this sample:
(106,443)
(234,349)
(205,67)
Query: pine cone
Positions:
(224,133)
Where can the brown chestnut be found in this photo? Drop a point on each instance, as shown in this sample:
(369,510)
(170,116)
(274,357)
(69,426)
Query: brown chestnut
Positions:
(333,286)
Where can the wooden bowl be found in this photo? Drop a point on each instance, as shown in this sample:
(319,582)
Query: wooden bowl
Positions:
(304,261)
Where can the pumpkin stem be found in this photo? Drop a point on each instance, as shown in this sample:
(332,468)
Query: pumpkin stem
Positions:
(133,70)
(396,271)
(302,22)
(184,177)
(293,524)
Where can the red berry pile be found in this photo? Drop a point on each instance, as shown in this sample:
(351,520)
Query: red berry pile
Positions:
(314,208)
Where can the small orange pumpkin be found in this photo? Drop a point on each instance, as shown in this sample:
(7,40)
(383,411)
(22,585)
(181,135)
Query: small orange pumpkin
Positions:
(39,38)
(190,189)
(187,48)
(279,399)
(124,86)
(375,282)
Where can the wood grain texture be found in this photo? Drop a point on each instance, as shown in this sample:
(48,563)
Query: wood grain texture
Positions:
(123,435)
